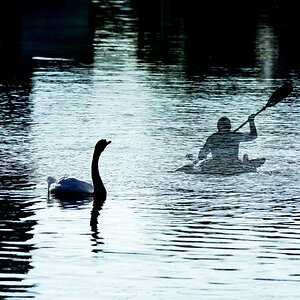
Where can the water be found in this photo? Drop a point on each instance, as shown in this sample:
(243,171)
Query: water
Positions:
(160,234)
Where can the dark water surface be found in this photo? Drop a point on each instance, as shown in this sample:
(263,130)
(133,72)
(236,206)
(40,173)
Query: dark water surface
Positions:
(154,80)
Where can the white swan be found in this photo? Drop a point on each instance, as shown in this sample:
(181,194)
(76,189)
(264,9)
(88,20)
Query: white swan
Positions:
(70,186)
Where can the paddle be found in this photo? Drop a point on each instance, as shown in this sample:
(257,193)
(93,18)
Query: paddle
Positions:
(281,93)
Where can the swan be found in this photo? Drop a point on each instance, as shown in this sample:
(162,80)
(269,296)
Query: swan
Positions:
(73,187)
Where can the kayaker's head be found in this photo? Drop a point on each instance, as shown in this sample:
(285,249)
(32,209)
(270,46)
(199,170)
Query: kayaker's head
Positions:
(224,124)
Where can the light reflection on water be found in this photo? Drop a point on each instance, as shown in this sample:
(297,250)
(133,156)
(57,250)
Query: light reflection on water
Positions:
(180,233)
(161,234)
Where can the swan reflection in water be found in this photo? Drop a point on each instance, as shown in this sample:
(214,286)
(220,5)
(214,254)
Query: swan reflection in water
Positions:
(73,189)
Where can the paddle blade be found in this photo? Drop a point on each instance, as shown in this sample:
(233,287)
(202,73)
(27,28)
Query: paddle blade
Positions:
(281,93)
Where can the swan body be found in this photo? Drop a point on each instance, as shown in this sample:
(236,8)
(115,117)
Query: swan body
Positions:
(69,186)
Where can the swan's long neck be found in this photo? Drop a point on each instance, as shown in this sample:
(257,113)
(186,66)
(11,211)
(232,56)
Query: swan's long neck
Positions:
(99,192)
(99,188)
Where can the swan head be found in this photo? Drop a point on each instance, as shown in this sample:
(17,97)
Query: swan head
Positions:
(101,145)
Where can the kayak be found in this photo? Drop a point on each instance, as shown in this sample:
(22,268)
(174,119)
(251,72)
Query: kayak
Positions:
(212,167)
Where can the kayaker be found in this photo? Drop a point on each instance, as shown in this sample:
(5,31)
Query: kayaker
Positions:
(224,144)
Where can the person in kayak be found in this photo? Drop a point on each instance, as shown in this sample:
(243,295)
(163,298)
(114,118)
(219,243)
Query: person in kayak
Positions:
(224,144)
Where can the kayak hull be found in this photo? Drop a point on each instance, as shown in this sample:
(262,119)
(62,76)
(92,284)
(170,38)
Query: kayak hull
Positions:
(211,167)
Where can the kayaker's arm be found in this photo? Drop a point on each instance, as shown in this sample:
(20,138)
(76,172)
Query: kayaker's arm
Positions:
(253,131)
(204,151)
(252,135)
